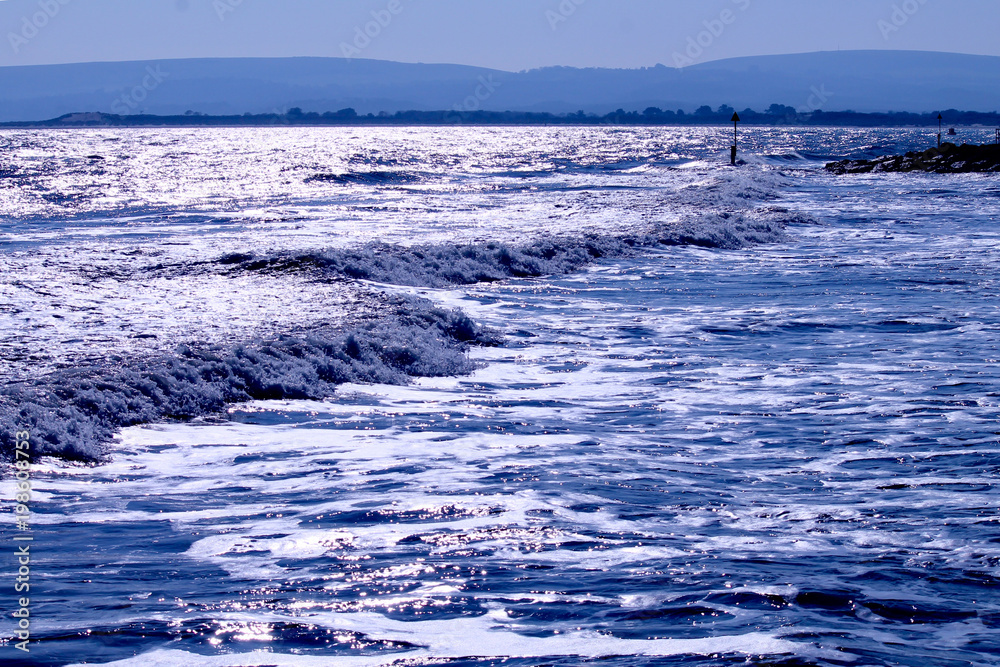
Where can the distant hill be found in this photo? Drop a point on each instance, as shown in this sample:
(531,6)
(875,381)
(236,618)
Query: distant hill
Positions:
(868,81)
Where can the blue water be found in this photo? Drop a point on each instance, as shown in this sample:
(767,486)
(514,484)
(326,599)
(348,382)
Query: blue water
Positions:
(771,439)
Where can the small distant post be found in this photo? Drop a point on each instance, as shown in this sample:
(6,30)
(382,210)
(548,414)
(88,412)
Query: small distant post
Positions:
(940,119)
(736,138)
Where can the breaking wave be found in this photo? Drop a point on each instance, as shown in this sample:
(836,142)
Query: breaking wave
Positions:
(441,265)
(74,414)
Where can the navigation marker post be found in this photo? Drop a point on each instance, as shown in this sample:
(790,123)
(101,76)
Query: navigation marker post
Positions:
(736,136)
(940,118)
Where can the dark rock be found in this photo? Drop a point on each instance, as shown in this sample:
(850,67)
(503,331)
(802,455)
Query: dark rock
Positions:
(949,159)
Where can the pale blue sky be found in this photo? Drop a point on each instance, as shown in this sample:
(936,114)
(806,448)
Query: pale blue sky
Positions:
(505,34)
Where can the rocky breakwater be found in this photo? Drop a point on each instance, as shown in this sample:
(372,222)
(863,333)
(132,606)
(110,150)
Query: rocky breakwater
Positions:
(949,159)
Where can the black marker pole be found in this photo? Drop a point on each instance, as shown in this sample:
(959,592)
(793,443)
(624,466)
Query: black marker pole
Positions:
(736,137)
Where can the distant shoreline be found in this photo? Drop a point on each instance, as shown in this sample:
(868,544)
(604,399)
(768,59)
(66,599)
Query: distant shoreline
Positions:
(649,118)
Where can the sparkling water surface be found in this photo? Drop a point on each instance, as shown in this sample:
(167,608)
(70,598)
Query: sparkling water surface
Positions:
(711,453)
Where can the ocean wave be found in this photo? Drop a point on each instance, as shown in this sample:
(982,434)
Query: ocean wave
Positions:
(365,178)
(441,265)
(74,414)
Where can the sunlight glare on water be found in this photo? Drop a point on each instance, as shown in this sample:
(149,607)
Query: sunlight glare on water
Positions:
(757,423)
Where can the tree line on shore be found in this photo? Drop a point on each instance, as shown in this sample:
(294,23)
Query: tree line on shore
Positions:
(776,114)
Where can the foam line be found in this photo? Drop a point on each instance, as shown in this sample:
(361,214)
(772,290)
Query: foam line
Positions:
(74,413)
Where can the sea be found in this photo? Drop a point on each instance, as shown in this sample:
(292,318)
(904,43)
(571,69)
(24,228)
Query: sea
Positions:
(484,396)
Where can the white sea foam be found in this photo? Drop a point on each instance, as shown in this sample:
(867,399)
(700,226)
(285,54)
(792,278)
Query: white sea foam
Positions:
(493,635)
(785,449)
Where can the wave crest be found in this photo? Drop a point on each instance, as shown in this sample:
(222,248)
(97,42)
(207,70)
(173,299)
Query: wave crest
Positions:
(73,414)
(441,265)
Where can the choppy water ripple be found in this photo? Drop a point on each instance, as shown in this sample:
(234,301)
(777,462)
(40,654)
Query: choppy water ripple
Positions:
(782,454)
